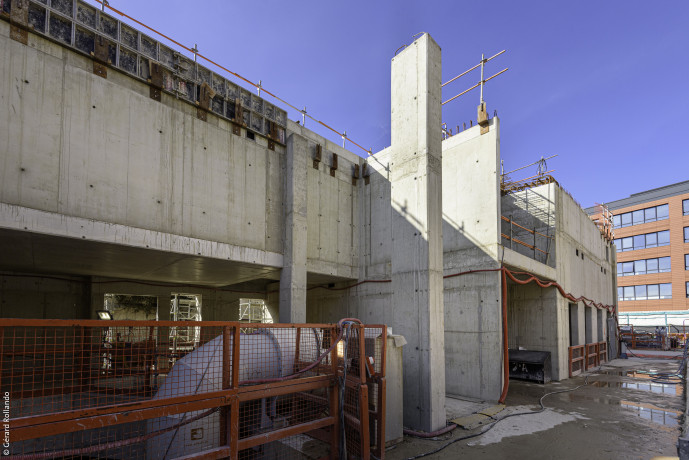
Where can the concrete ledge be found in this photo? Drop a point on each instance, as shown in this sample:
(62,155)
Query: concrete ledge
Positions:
(49,223)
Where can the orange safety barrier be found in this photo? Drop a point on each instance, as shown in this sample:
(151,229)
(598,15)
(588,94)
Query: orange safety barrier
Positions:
(602,353)
(131,389)
(576,360)
(591,356)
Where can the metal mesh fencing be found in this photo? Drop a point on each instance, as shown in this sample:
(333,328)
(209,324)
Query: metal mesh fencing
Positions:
(129,389)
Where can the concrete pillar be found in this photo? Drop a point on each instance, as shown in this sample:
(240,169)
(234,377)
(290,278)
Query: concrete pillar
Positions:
(417,246)
(293,276)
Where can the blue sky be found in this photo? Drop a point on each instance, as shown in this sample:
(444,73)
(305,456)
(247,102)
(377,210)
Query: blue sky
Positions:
(602,84)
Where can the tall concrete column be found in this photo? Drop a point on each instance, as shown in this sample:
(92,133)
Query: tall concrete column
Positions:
(293,276)
(417,247)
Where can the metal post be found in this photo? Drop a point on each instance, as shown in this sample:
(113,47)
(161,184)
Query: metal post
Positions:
(103,4)
(303,116)
(483,61)
(344,139)
(258,88)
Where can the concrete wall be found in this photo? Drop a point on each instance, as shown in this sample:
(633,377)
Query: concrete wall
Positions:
(24,295)
(473,328)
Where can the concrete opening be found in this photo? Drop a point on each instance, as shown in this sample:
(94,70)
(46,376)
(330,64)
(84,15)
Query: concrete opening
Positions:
(589,324)
(599,322)
(573,325)
(133,307)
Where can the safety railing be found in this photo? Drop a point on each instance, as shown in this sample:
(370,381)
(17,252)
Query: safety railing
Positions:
(118,389)
(602,353)
(591,355)
(534,235)
(576,360)
(585,357)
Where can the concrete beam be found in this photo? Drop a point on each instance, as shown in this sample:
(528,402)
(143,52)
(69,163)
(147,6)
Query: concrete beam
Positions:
(417,247)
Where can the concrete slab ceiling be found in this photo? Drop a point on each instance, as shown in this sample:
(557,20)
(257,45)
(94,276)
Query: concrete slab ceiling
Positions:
(33,252)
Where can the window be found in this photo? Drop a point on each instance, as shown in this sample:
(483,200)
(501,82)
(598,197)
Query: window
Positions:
(652,266)
(647,240)
(686,261)
(645,266)
(687,288)
(686,234)
(641,216)
(645,292)
(685,207)
(653,292)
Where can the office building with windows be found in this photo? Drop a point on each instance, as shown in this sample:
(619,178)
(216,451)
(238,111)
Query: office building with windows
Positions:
(652,239)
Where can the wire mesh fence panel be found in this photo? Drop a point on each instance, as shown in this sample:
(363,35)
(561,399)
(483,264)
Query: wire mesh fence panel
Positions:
(118,389)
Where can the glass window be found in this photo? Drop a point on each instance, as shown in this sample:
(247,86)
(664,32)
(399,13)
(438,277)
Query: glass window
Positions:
(619,269)
(663,211)
(666,291)
(664,264)
(628,243)
(652,266)
(638,217)
(639,241)
(686,261)
(685,207)
(650,214)
(686,234)
(664,238)
(640,292)
(620,291)
(687,288)
(616,221)
(629,293)
(651,240)
(640,267)
(626,219)
(628,268)
(652,291)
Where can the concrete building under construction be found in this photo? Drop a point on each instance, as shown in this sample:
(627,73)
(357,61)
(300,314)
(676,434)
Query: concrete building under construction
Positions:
(127,168)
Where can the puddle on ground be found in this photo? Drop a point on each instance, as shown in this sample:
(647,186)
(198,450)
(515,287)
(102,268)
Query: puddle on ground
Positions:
(652,413)
(653,387)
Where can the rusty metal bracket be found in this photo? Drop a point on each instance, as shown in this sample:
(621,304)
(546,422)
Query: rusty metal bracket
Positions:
(206,93)
(317,158)
(19,21)
(271,145)
(355,175)
(482,119)
(156,80)
(236,129)
(101,55)
(333,168)
(366,174)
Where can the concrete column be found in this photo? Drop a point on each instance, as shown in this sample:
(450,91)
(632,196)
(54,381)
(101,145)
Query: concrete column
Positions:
(293,276)
(417,246)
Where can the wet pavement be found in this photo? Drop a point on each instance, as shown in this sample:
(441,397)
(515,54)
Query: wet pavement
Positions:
(619,412)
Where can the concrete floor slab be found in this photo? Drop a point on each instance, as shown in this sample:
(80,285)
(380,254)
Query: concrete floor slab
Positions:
(615,412)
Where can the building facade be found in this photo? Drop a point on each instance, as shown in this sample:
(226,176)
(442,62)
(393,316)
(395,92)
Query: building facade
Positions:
(652,240)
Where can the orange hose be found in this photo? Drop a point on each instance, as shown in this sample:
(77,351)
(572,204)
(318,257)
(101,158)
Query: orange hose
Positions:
(506,365)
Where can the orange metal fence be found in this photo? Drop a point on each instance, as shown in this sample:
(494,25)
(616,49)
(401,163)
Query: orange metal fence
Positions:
(130,389)
(585,357)
(576,360)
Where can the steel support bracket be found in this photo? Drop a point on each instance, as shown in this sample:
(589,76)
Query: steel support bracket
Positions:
(366,174)
(355,175)
(271,145)
(333,168)
(101,55)
(482,119)
(236,129)
(155,79)
(19,21)
(318,157)
(206,93)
